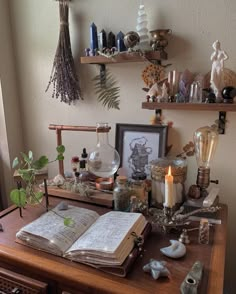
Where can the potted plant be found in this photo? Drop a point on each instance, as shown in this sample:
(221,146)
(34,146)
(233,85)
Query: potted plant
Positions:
(28,168)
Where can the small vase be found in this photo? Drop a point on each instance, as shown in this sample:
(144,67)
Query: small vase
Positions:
(159,39)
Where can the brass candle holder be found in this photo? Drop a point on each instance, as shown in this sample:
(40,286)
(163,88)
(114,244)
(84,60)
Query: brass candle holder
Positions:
(170,218)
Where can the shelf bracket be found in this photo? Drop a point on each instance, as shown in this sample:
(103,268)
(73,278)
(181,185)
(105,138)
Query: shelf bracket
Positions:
(221,122)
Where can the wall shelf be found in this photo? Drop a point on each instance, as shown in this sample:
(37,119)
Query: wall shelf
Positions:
(190,106)
(124,58)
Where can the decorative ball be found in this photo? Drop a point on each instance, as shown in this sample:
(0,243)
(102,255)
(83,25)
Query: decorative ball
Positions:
(131,39)
(229,93)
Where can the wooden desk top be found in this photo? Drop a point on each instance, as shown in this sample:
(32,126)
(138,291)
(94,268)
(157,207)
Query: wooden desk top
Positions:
(79,278)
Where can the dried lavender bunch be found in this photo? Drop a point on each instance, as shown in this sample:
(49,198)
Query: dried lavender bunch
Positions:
(63,76)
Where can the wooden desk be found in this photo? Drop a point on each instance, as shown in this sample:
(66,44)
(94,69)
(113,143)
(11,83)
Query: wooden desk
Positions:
(63,275)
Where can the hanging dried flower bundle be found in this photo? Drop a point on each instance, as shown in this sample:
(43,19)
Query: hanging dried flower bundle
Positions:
(63,77)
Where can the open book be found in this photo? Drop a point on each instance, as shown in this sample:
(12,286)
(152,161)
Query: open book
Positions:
(100,241)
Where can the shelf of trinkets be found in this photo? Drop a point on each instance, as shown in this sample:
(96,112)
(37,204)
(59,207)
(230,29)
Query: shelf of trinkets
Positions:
(190,106)
(124,57)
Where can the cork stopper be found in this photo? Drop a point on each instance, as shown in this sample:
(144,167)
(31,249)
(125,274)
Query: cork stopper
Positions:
(121,179)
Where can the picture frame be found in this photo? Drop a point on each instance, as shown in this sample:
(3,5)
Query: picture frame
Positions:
(138,145)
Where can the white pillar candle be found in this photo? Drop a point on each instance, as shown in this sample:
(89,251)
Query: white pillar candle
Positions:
(169,196)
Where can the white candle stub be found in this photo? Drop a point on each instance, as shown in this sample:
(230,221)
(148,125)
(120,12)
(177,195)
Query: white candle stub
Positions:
(169,196)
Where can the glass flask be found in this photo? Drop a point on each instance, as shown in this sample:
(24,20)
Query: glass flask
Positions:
(103,160)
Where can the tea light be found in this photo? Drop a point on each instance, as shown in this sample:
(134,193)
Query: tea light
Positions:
(169,196)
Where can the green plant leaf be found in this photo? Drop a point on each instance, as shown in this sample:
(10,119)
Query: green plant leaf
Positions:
(39,196)
(30,155)
(26,158)
(40,163)
(107,91)
(60,157)
(15,162)
(61,149)
(26,174)
(68,222)
(18,197)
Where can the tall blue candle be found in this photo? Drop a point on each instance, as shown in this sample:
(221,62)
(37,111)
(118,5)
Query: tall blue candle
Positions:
(93,37)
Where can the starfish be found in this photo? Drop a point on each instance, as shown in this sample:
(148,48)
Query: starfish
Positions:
(157,269)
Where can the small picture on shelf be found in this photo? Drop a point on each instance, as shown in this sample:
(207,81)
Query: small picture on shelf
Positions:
(138,145)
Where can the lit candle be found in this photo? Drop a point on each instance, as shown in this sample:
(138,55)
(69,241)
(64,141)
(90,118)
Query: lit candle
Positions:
(169,197)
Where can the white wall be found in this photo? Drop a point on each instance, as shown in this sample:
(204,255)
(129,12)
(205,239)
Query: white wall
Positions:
(11,140)
(195,25)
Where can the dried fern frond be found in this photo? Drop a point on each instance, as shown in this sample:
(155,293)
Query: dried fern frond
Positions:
(107,90)
(63,77)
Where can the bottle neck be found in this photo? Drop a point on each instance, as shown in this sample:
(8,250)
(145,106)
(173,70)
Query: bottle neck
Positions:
(102,138)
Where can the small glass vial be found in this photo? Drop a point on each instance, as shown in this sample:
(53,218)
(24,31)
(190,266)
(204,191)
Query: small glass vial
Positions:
(203,236)
(121,194)
(75,163)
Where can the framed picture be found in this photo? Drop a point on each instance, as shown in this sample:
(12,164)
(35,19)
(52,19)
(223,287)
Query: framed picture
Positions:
(138,145)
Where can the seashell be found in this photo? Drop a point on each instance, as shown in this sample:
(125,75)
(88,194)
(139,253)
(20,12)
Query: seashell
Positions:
(175,250)
(58,180)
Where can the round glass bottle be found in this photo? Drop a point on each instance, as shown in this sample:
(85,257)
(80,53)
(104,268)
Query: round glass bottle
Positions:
(121,194)
(103,160)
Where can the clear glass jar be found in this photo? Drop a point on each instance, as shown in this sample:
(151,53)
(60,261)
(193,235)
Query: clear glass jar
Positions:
(159,168)
(138,187)
(103,160)
(121,194)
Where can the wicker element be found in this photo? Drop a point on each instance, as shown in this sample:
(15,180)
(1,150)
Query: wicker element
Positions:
(10,282)
(160,169)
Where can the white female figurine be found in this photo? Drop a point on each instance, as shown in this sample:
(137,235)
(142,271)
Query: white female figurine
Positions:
(217,70)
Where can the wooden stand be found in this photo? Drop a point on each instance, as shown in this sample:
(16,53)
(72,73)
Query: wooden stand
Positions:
(98,198)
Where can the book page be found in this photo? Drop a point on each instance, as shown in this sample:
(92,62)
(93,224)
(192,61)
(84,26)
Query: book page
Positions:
(107,233)
(50,232)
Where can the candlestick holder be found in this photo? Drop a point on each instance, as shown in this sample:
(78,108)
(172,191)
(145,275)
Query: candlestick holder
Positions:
(170,218)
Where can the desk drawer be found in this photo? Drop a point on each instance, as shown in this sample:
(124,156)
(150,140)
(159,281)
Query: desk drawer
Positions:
(11,282)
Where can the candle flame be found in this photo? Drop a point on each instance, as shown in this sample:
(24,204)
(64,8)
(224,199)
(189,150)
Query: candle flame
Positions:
(169,171)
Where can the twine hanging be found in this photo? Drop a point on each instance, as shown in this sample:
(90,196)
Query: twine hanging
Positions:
(63,76)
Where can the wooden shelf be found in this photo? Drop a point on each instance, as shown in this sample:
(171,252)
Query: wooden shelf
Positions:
(190,106)
(124,58)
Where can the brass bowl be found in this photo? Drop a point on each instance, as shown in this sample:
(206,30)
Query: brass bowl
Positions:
(104,183)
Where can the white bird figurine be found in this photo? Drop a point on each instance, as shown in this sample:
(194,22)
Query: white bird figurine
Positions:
(175,250)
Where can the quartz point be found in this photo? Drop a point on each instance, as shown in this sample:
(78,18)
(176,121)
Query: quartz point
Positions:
(93,37)
(111,42)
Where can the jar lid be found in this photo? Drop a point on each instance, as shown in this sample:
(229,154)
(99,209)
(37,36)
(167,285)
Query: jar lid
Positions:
(139,177)
(169,161)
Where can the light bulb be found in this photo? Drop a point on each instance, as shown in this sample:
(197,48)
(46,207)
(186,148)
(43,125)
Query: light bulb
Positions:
(205,142)
(103,160)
